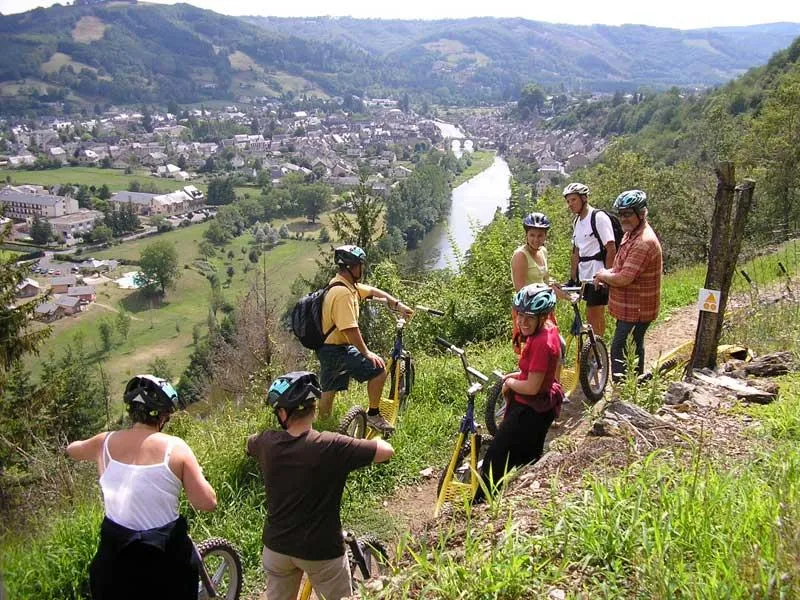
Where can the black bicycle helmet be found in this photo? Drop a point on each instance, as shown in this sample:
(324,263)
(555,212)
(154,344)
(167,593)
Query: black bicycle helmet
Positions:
(536,220)
(153,393)
(293,390)
(535,299)
(347,256)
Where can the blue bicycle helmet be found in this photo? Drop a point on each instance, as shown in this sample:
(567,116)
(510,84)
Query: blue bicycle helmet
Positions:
(293,390)
(346,256)
(536,220)
(631,199)
(535,299)
(153,393)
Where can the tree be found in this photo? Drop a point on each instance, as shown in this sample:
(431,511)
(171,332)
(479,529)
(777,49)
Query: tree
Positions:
(220,191)
(41,231)
(104,193)
(363,229)
(315,200)
(324,235)
(83,197)
(106,334)
(158,267)
(17,336)
(123,324)
(531,100)
(160,368)
(283,232)
(102,234)
(207,250)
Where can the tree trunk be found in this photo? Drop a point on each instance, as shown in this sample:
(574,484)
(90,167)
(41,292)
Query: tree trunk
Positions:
(726,243)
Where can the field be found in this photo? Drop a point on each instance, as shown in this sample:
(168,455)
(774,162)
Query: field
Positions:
(88,29)
(115,179)
(59,59)
(164,329)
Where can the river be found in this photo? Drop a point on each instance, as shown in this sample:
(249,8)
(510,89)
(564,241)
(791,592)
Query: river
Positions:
(474,203)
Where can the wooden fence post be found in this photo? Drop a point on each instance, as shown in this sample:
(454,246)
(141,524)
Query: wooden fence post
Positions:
(726,243)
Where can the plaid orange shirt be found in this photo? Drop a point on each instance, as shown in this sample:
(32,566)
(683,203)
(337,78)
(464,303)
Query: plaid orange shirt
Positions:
(638,257)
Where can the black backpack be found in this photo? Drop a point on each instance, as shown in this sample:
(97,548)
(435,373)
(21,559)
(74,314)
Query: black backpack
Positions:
(307,318)
(615,225)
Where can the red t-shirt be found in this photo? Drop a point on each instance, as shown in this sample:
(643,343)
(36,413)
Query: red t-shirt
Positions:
(541,354)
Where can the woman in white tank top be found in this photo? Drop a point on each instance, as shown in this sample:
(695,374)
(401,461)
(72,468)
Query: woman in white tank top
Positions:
(142,472)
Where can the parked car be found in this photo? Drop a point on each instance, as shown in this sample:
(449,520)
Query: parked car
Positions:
(50,271)
(58,271)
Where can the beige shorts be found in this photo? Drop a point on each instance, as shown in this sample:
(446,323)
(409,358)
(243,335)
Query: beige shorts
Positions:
(329,578)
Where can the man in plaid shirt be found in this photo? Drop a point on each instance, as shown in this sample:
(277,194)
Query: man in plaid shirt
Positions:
(634,280)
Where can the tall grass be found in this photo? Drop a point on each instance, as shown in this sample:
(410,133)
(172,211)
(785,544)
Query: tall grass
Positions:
(53,562)
(675,525)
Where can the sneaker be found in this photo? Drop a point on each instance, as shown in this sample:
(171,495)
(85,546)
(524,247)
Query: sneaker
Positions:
(379,423)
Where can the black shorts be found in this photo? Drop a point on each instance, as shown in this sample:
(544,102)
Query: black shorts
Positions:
(595,296)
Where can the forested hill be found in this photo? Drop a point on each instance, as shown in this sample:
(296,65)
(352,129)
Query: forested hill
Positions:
(499,54)
(121,52)
(128,53)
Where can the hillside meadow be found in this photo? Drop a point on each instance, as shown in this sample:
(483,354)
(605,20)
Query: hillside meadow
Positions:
(165,328)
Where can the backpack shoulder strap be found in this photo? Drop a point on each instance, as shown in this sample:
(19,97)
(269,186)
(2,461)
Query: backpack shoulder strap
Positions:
(325,334)
(593,222)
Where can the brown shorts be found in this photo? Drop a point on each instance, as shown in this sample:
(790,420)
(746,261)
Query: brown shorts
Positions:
(329,578)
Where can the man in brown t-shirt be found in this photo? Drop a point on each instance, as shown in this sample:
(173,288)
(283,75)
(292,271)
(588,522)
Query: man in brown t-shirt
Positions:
(304,475)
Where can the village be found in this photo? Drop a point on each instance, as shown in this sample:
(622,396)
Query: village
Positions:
(326,145)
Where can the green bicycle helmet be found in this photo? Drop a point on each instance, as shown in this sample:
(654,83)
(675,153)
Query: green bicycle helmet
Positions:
(631,199)
(535,299)
(348,256)
(156,395)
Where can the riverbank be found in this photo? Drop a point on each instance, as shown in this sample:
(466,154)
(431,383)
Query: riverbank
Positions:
(481,160)
(474,203)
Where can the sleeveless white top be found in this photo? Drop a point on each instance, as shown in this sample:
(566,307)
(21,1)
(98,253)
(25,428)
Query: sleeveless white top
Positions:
(140,497)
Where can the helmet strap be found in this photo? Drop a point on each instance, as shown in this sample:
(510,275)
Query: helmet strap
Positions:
(355,279)
(283,423)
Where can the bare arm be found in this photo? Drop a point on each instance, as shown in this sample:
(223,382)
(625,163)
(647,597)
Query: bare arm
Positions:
(391,301)
(573,268)
(519,269)
(198,491)
(611,254)
(612,278)
(529,386)
(87,449)
(354,337)
(383,452)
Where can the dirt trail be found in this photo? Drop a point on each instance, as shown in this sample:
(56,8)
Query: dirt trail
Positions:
(411,507)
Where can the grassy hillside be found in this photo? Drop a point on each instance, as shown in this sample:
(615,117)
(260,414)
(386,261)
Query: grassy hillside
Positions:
(166,329)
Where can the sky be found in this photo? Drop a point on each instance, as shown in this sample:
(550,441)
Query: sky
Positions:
(680,14)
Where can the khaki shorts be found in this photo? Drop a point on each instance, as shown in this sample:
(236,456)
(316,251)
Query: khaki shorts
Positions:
(329,578)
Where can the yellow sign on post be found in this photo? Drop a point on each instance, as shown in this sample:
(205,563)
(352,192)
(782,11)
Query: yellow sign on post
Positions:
(708,300)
